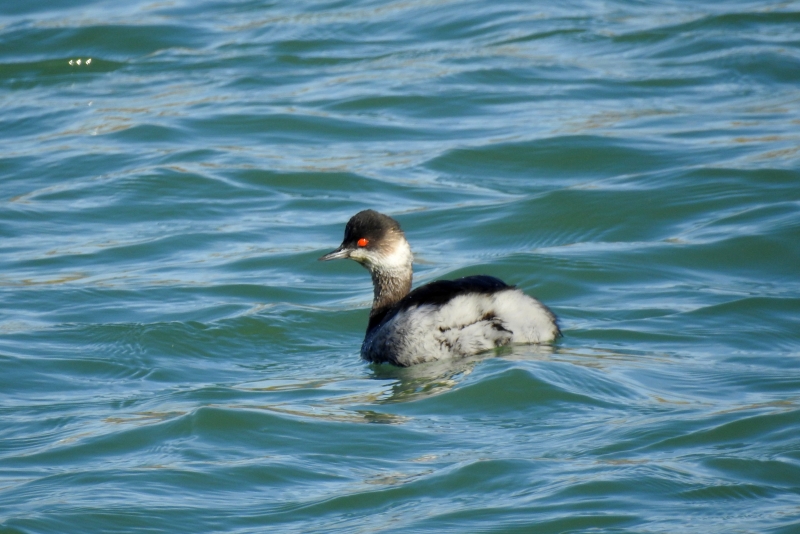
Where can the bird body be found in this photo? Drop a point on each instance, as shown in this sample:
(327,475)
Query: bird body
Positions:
(442,319)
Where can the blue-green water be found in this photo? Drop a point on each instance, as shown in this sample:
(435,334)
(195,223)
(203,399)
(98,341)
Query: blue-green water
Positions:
(174,358)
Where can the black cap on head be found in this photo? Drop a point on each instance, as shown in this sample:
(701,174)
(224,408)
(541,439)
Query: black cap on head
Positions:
(366,230)
(369,225)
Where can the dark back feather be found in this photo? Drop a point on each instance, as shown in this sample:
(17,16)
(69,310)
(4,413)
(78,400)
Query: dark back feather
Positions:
(439,292)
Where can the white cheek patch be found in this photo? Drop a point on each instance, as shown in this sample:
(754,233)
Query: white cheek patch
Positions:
(397,258)
(359,255)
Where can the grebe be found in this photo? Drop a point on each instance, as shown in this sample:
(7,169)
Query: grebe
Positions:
(442,319)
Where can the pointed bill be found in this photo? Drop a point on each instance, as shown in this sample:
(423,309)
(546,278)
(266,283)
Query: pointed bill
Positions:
(338,254)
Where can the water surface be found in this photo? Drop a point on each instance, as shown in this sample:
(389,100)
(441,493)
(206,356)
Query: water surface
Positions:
(176,360)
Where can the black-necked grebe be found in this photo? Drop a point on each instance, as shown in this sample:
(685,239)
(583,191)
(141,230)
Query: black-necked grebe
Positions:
(442,319)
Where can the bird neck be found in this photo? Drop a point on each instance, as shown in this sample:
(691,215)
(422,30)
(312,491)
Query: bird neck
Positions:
(391,277)
(389,287)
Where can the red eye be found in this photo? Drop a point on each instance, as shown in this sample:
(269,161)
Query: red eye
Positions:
(363,242)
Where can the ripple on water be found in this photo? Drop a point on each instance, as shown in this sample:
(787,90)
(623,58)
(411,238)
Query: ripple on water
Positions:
(174,356)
